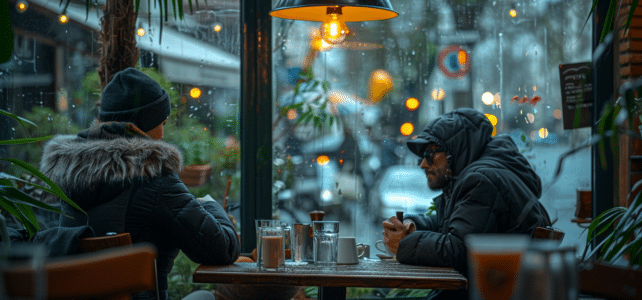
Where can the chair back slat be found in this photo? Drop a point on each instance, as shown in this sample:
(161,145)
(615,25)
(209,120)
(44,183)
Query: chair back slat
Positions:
(108,274)
(548,233)
(103,242)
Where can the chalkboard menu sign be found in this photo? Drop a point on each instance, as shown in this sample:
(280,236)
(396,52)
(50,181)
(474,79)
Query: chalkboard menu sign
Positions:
(577,94)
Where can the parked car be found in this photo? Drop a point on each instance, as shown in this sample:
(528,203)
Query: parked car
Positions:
(402,188)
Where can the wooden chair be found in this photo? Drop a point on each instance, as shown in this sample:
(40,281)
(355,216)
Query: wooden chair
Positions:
(107,274)
(548,233)
(103,242)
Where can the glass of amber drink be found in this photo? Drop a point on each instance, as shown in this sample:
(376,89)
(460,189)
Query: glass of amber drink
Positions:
(493,264)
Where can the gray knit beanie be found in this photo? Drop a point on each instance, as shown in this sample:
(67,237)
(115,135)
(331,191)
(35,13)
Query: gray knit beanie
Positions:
(134,97)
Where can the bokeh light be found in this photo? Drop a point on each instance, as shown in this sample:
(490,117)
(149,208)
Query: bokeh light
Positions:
(323,160)
(512,13)
(412,104)
(438,94)
(488,98)
(195,92)
(218,27)
(63,19)
(406,129)
(492,119)
(22,6)
(292,114)
(140,32)
(543,133)
(530,118)
(379,84)
(462,57)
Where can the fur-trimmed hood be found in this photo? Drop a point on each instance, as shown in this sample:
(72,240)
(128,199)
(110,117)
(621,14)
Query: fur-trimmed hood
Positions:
(76,163)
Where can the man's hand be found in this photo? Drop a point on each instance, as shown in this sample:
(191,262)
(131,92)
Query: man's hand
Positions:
(394,232)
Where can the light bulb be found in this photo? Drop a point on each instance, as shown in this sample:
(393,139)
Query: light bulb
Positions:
(334,30)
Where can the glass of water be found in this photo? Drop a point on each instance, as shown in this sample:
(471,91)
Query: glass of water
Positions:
(326,243)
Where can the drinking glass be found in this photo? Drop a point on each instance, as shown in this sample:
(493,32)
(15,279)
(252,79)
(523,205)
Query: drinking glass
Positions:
(326,243)
(300,243)
(493,263)
(261,224)
(272,248)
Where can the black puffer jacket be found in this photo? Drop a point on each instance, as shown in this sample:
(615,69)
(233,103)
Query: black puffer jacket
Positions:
(129,183)
(492,183)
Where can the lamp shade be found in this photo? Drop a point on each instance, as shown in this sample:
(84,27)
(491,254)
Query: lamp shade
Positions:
(317,10)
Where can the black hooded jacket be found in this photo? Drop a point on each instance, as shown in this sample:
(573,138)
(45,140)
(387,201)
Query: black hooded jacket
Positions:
(129,183)
(491,184)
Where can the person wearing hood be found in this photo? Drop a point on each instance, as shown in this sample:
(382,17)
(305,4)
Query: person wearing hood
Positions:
(126,179)
(487,186)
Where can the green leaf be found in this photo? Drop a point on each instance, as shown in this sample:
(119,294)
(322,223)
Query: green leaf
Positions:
(608,21)
(589,14)
(20,120)
(634,5)
(21,198)
(25,140)
(55,189)
(18,212)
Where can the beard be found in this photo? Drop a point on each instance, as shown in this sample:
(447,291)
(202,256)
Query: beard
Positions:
(439,183)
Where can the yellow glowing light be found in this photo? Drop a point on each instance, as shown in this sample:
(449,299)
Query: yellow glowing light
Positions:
(513,13)
(217,27)
(292,114)
(334,30)
(22,6)
(438,94)
(462,57)
(488,98)
(195,92)
(534,88)
(543,133)
(140,32)
(530,117)
(406,129)
(63,19)
(323,160)
(412,104)
(557,113)
(379,84)
(492,119)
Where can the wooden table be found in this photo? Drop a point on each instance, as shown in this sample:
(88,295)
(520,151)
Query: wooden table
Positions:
(332,283)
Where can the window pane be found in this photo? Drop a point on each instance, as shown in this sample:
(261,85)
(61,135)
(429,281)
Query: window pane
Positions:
(52,80)
(343,112)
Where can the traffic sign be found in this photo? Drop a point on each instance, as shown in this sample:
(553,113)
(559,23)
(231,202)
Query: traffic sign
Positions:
(453,61)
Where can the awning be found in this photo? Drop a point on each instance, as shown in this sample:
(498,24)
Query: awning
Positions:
(183,59)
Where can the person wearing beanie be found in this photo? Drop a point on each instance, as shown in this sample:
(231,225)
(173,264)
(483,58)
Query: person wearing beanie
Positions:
(126,178)
(488,187)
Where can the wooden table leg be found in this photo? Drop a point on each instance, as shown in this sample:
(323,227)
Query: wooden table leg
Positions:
(332,293)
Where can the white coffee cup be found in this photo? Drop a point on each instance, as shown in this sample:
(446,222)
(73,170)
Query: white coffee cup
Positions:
(363,251)
(347,251)
(381,246)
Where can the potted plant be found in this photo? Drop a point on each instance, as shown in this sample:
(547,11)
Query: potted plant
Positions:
(195,144)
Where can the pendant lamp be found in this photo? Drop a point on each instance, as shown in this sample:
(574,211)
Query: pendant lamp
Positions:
(344,10)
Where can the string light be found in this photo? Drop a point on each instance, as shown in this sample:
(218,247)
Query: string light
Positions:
(22,6)
(63,19)
(140,32)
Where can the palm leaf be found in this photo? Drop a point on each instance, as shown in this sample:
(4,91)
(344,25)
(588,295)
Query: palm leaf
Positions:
(54,188)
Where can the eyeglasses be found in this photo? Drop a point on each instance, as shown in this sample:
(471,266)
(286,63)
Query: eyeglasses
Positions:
(430,154)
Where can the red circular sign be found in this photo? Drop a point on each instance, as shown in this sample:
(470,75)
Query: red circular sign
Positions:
(453,61)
